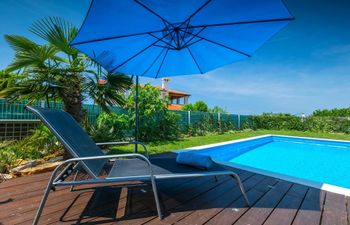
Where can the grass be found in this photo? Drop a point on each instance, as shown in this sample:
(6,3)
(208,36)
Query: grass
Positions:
(165,146)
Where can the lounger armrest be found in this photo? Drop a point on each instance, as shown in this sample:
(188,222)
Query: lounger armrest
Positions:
(74,160)
(131,155)
(125,143)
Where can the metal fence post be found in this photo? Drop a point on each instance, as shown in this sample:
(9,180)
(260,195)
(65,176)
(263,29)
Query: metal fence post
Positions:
(239,121)
(189,118)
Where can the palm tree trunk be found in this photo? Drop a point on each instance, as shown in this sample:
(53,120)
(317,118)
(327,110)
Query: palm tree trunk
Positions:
(73,101)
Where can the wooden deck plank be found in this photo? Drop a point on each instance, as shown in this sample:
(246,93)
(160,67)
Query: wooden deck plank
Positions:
(334,211)
(212,208)
(23,180)
(138,209)
(194,201)
(348,208)
(20,205)
(178,211)
(171,201)
(286,210)
(235,210)
(311,209)
(59,206)
(262,209)
(65,200)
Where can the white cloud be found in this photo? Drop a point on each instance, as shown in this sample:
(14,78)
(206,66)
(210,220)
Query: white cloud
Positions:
(270,88)
(335,50)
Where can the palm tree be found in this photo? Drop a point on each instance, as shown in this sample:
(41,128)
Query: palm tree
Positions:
(56,70)
(34,65)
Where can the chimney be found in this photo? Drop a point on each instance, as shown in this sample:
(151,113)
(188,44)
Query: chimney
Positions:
(165,83)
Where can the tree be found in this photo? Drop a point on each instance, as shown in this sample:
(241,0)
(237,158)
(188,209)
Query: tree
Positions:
(188,107)
(56,70)
(217,109)
(155,121)
(200,106)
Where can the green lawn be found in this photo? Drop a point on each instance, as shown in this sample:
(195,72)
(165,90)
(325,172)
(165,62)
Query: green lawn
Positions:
(165,146)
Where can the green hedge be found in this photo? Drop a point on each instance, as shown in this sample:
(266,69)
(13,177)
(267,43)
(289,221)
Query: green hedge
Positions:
(271,121)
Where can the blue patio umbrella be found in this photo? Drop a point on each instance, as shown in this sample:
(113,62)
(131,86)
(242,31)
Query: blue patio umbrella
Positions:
(157,38)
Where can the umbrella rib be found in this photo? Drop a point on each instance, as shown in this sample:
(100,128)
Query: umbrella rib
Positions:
(222,45)
(115,37)
(171,33)
(162,40)
(188,45)
(183,36)
(197,11)
(154,61)
(137,54)
(195,61)
(160,67)
(244,22)
(193,36)
(165,47)
(153,12)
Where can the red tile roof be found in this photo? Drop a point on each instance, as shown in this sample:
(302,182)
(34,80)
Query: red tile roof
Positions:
(171,92)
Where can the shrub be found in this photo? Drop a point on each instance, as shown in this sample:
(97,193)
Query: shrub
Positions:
(344,112)
(41,143)
(271,121)
(202,127)
(188,107)
(8,158)
(110,127)
(328,124)
(155,121)
(226,126)
(208,123)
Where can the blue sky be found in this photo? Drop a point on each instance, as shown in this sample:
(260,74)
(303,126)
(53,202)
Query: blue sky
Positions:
(304,67)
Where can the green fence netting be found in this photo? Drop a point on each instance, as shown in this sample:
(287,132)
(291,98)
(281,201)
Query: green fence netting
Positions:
(17,111)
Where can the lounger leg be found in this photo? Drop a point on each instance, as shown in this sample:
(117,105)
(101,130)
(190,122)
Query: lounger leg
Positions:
(235,176)
(74,179)
(156,198)
(43,201)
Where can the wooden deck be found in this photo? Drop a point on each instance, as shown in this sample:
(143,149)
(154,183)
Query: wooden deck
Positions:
(191,201)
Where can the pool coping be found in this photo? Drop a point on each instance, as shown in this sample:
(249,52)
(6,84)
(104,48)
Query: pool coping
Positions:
(314,184)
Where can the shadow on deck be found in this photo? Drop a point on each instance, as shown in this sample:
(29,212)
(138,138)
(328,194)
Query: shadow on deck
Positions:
(185,201)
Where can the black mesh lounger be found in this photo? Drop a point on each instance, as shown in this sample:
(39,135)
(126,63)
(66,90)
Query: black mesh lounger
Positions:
(126,167)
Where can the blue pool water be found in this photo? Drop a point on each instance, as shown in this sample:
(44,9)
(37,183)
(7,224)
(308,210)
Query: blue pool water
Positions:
(315,160)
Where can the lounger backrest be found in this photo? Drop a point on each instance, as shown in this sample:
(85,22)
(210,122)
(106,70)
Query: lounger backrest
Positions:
(72,136)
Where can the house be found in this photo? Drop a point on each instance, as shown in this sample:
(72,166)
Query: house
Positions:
(177,98)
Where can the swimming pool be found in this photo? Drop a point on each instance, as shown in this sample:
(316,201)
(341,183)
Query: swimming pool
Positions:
(319,163)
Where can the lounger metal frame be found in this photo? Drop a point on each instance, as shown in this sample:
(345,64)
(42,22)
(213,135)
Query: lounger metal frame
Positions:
(57,180)
(71,165)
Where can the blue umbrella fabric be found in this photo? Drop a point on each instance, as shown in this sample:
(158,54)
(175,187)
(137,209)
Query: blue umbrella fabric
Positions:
(157,38)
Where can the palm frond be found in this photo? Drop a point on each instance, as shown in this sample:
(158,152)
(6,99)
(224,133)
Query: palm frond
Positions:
(37,56)
(56,31)
(118,81)
(20,43)
(111,93)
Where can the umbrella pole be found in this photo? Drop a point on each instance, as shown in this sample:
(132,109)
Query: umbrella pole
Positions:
(137,114)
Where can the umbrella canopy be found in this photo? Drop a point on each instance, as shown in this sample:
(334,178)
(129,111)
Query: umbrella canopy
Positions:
(157,38)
